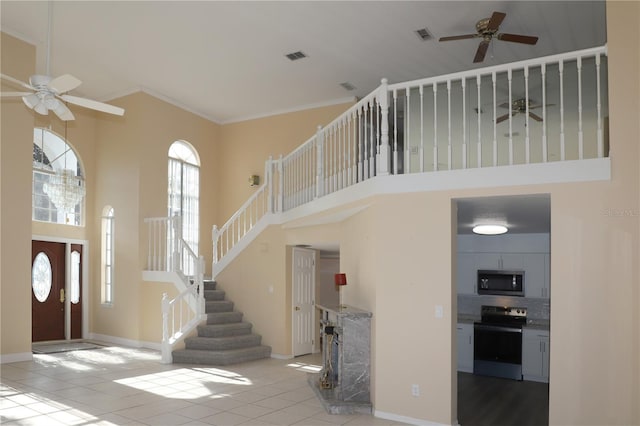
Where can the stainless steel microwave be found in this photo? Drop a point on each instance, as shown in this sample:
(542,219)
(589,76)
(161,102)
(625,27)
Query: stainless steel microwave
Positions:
(506,283)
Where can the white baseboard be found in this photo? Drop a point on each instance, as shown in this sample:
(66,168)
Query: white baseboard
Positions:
(278,356)
(404,419)
(19,357)
(125,342)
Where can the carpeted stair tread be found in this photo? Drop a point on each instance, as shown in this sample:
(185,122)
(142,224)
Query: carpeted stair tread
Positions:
(223,343)
(233,356)
(224,317)
(218,306)
(224,330)
(210,295)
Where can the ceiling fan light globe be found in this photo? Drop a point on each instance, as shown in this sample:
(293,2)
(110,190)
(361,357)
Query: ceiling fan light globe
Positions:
(31,100)
(41,109)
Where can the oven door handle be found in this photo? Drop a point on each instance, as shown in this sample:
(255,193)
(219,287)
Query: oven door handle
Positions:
(497,328)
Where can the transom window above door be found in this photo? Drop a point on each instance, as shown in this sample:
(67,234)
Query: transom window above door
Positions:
(58,180)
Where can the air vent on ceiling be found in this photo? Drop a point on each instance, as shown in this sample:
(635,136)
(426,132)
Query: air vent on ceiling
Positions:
(424,34)
(294,56)
(348,86)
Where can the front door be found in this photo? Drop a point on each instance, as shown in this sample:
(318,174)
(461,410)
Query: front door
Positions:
(303,300)
(47,290)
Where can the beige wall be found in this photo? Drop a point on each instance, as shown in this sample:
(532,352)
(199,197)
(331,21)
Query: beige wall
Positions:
(248,144)
(16,143)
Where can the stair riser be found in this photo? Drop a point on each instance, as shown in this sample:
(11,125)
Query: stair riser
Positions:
(213,295)
(204,331)
(218,306)
(223,344)
(224,317)
(209,285)
(215,358)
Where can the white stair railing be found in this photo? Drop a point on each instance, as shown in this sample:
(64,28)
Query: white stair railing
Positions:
(552,108)
(169,252)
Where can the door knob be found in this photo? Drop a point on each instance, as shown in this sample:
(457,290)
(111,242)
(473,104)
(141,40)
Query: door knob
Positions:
(297,308)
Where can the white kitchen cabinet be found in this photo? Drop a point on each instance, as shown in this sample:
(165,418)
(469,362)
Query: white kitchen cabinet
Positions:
(467,273)
(465,347)
(535,355)
(499,261)
(536,275)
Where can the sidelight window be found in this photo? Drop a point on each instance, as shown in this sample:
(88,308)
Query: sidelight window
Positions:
(107,255)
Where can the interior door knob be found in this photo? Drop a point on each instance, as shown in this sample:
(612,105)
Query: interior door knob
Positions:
(297,308)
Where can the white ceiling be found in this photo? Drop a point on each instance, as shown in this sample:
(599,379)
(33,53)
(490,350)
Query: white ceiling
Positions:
(225,60)
(520,213)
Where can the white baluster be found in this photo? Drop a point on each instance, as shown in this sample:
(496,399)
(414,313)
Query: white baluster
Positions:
(449,124)
(372,141)
(319,169)
(599,109)
(543,73)
(383,124)
(421,147)
(478,85)
(561,72)
(360,146)
(435,126)
(580,141)
(407,133)
(395,131)
(495,125)
(464,122)
(510,79)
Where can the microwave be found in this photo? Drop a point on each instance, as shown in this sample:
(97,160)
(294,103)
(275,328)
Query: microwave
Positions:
(505,283)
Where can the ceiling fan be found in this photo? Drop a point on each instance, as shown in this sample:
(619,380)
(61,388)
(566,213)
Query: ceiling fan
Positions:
(519,106)
(49,94)
(487,29)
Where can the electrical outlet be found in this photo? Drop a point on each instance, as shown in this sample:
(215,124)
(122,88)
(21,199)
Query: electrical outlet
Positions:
(415,390)
(439,311)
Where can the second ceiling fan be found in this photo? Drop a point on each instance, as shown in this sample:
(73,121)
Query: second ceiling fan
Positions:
(487,29)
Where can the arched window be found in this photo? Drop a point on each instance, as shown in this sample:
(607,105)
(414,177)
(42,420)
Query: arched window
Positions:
(58,182)
(184,190)
(107,255)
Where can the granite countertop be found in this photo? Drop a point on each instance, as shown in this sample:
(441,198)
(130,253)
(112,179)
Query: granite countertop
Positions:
(344,310)
(468,318)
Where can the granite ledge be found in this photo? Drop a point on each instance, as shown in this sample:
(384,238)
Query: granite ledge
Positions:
(344,310)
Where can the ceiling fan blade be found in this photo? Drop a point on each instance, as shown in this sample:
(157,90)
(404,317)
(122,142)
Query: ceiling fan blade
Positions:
(482,51)
(517,38)
(14,94)
(62,111)
(495,21)
(458,37)
(32,100)
(502,118)
(534,116)
(91,104)
(16,82)
(64,83)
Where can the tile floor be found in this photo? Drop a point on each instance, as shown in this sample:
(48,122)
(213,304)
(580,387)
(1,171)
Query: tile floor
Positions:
(123,386)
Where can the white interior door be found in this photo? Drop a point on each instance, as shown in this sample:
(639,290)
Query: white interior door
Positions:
(303,295)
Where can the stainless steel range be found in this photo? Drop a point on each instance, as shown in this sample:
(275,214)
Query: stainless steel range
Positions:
(497,347)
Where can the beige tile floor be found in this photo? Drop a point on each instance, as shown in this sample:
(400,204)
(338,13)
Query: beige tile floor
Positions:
(117,385)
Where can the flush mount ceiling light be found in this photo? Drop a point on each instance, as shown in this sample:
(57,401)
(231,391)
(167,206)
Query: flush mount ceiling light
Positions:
(489,229)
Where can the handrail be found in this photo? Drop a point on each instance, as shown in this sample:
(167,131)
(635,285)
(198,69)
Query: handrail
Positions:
(437,123)
(169,252)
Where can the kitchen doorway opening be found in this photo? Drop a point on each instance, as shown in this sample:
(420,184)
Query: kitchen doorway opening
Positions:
(503,289)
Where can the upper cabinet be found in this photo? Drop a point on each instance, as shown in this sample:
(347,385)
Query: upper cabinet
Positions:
(520,252)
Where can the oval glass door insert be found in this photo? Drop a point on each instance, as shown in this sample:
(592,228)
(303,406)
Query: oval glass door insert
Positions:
(41,277)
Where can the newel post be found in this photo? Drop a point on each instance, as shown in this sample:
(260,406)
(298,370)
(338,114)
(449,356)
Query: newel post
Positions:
(166,347)
(268,173)
(319,163)
(383,155)
(177,237)
(200,293)
(214,237)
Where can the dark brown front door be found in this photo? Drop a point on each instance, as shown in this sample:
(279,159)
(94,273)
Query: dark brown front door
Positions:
(47,290)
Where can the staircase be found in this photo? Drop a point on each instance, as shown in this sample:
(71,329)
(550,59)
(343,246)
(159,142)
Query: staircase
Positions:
(225,339)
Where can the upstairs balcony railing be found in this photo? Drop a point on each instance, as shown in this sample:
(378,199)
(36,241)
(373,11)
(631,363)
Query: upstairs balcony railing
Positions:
(540,110)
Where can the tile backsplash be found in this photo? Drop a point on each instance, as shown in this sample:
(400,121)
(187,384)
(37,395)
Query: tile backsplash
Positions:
(537,309)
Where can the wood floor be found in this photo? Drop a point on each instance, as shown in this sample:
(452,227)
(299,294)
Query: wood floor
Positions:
(484,401)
